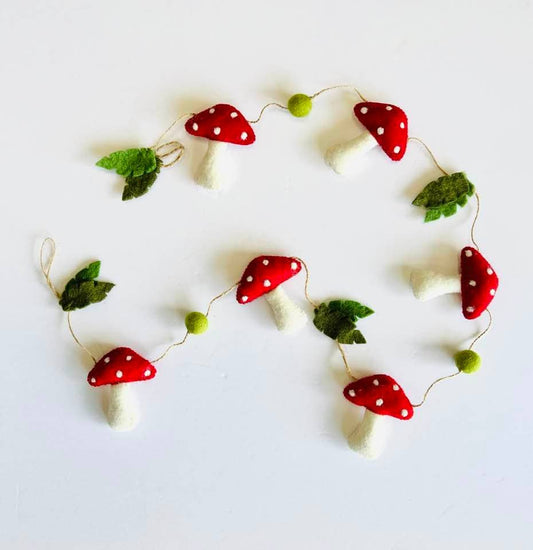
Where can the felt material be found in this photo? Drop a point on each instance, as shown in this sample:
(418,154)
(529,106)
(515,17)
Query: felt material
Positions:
(122,410)
(338,320)
(136,186)
(288,316)
(217,170)
(387,124)
(442,196)
(300,105)
(83,290)
(381,394)
(479,282)
(342,157)
(263,274)
(196,322)
(428,284)
(467,361)
(221,122)
(370,437)
(130,162)
(121,366)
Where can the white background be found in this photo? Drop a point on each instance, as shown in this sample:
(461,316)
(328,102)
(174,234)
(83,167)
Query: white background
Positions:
(242,443)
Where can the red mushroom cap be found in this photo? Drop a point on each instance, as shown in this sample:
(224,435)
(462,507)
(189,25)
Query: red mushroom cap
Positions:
(479,282)
(221,122)
(387,124)
(380,394)
(120,366)
(264,274)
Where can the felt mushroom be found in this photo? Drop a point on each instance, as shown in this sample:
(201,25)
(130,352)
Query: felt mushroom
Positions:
(118,369)
(220,124)
(385,125)
(381,396)
(263,277)
(476,282)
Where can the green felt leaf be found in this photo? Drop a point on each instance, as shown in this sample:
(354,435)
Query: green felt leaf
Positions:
(136,186)
(82,290)
(442,196)
(338,320)
(130,162)
(89,273)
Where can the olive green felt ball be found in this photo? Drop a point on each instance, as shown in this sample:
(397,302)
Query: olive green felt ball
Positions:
(467,361)
(196,322)
(300,105)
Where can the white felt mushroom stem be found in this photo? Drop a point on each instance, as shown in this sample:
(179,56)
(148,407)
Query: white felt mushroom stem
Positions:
(370,437)
(123,412)
(427,284)
(342,157)
(288,316)
(216,170)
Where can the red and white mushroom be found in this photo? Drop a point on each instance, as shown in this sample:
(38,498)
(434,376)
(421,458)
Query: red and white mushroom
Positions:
(381,396)
(476,282)
(263,277)
(385,125)
(118,369)
(220,124)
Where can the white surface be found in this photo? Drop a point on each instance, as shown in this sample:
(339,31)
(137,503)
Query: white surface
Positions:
(242,441)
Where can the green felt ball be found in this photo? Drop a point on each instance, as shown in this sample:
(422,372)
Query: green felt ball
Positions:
(467,361)
(196,322)
(300,105)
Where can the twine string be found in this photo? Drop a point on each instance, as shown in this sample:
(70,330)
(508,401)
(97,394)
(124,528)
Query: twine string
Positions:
(186,336)
(482,333)
(271,104)
(430,153)
(46,266)
(433,384)
(157,143)
(169,149)
(473,226)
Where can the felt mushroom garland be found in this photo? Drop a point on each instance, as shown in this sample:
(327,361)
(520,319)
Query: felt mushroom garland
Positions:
(385,125)
(263,277)
(221,124)
(476,282)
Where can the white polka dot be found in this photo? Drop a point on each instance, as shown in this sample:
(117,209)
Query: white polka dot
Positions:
(266,283)
(244,298)
(364,110)
(244,136)
(119,374)
(351,393)
(195,127)
(93,380)
(234,115)
(492,291)
(470,309)
(489,271)
(147,372)
(379,402)
(397,149)
(128,358)
(380,131)
(375,382)
(388,107)
(216,131)
(107,359)
(294,266)
(265,262)
(404,413)
(395,387)
(212,110)
(472,283)
(249,278)
(468,253)
(402,125)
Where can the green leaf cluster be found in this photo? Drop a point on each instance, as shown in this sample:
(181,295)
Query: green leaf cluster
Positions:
(442,196)
(140,167)
(338,319)
(83,289)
